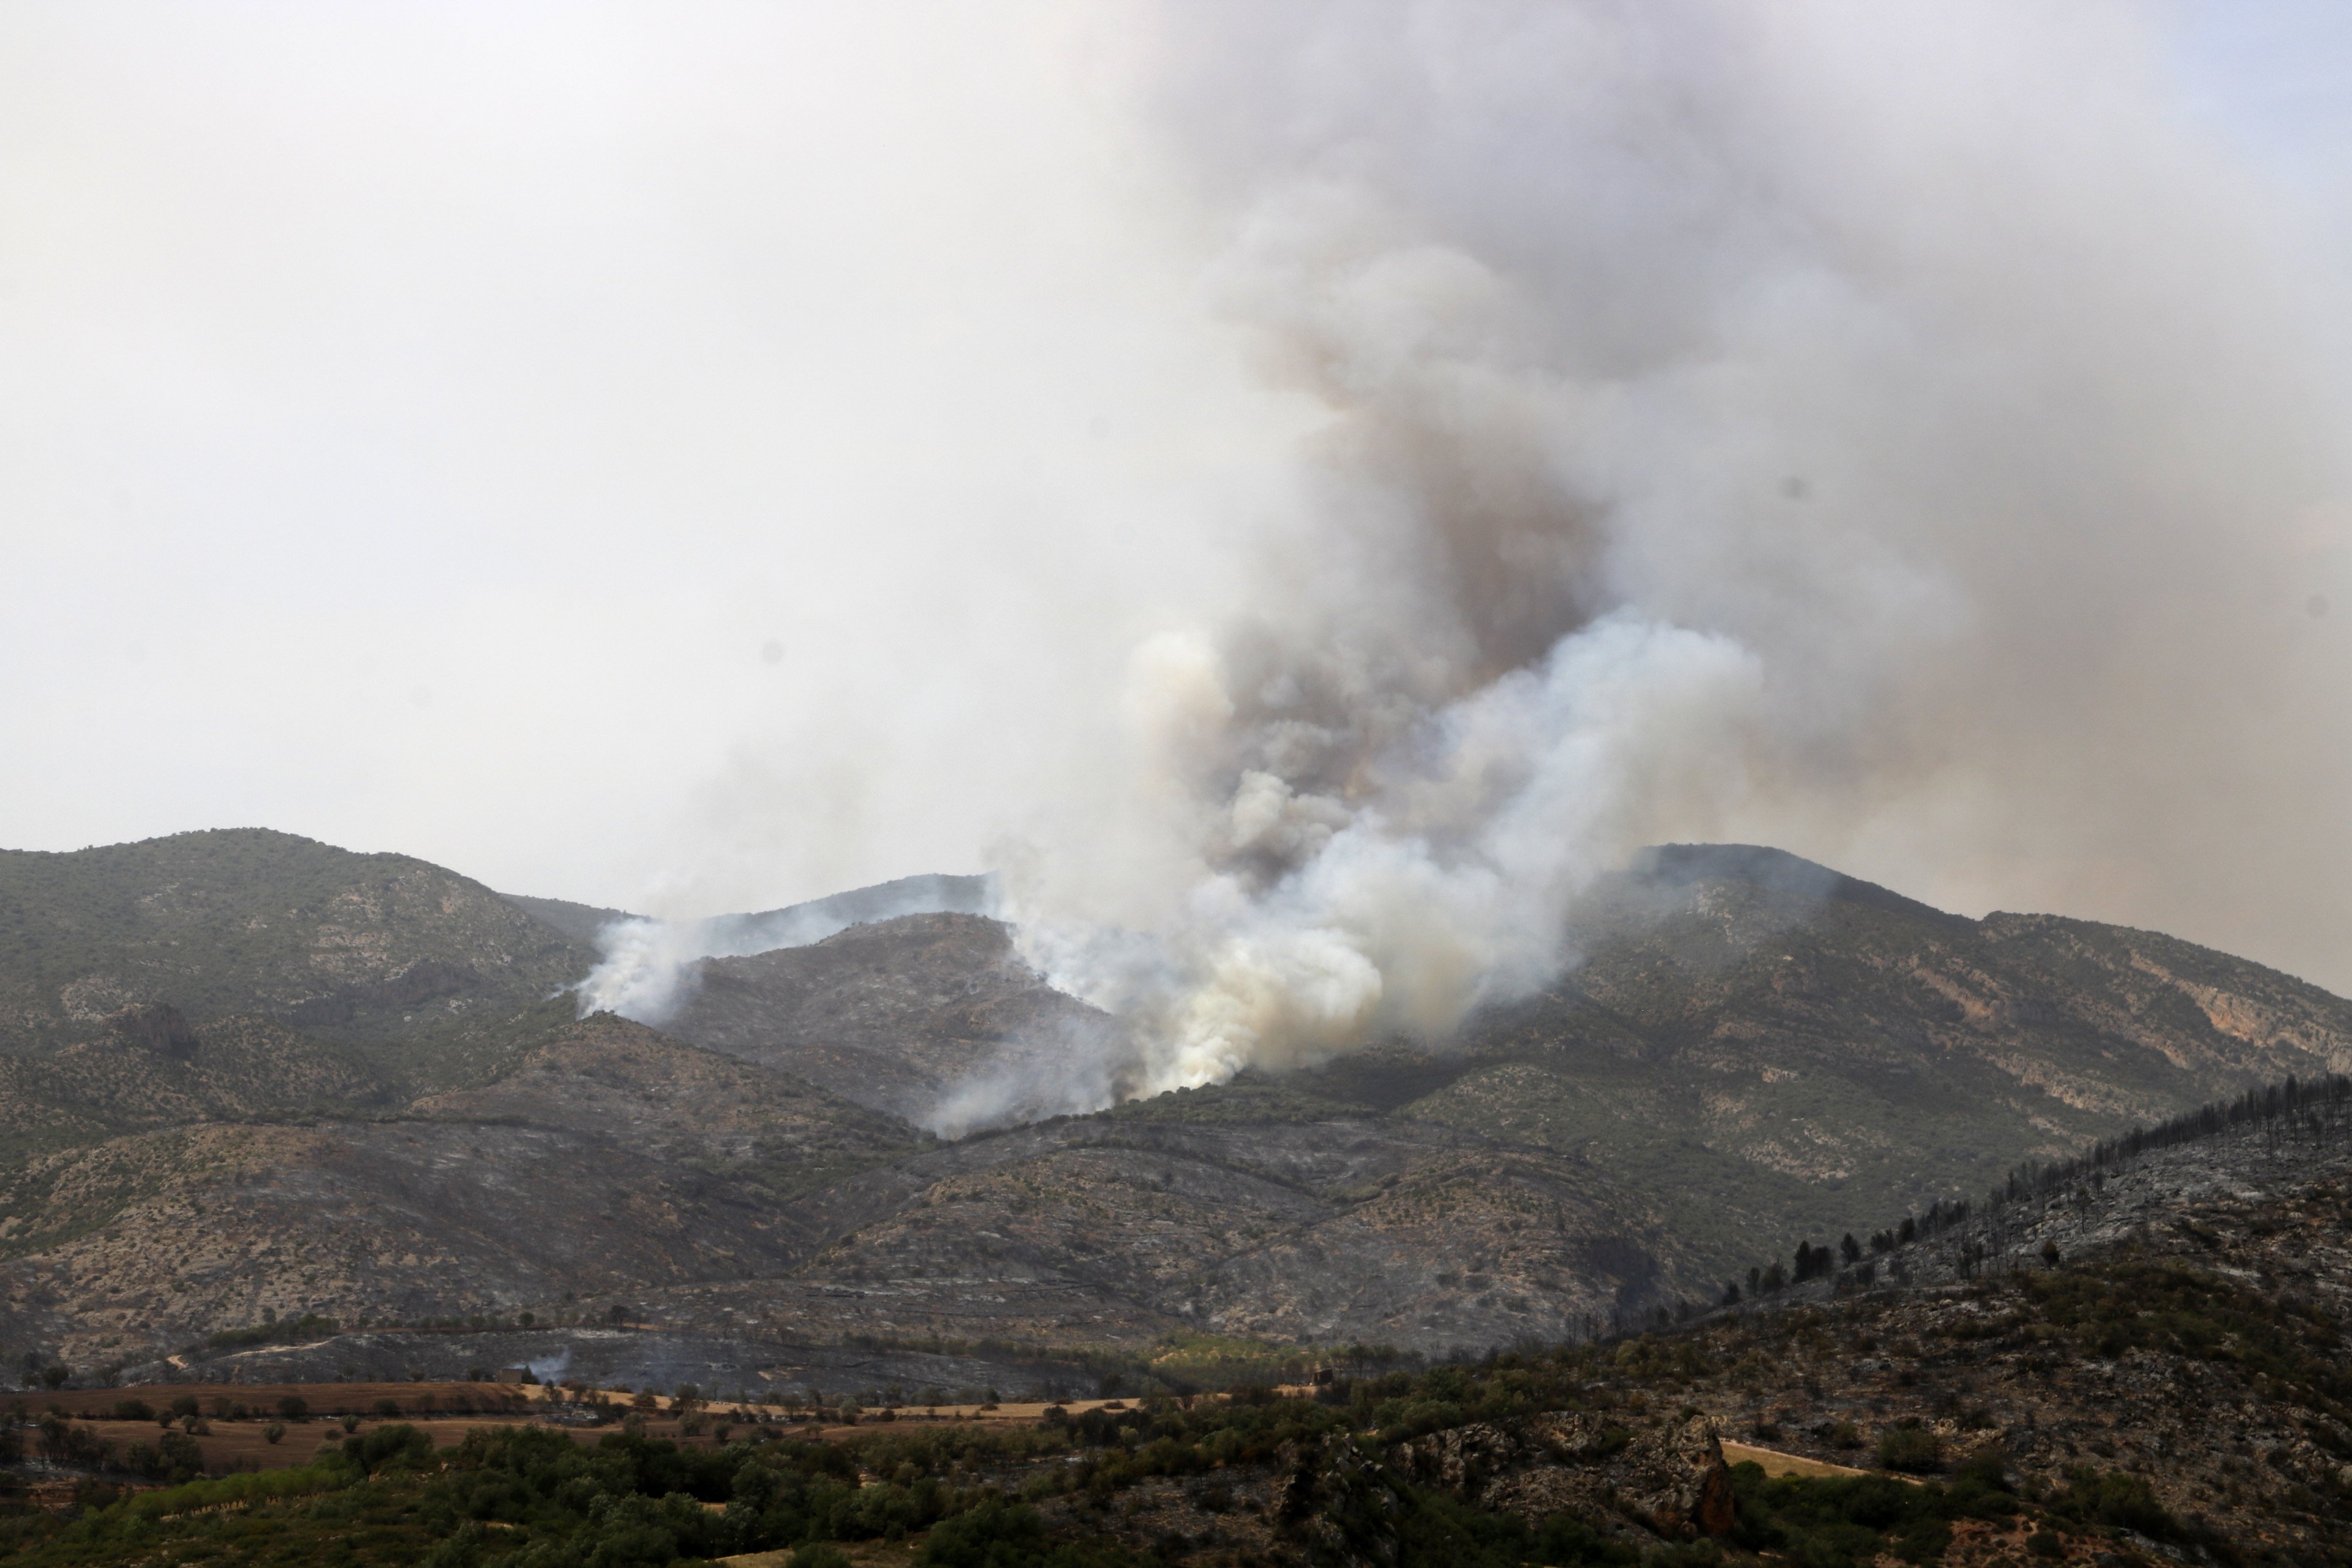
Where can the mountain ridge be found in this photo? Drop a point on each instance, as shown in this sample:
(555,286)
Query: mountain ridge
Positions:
(1754,1049)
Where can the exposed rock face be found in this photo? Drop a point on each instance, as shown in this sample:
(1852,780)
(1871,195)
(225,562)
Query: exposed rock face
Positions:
(1667,1476)
(1341,1506)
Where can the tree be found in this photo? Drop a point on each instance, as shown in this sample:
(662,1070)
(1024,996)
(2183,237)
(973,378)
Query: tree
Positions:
(57,1375)
(1731,1294)
(293,1407)
(1850,1247)
(273,1432)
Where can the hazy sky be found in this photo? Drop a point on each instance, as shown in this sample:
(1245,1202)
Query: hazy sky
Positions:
(700,456)
(669,454)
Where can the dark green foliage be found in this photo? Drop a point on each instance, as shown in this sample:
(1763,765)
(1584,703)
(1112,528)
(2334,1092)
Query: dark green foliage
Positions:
(284,1331)
(1848,1522)
(398,1446)
(2117,1499)
(1009,1535)
(1434,1531)
(1910,1448)
(2168,1305)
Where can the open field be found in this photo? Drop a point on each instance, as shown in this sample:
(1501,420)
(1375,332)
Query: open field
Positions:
(864,1553)
(1776,1464)
(231,1446)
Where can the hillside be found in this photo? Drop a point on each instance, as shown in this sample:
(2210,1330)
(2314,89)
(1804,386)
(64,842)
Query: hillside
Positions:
(254,923)
(1753,1052)
(1775,1050)
(608,1161)
(898,1013)
(2119,1364)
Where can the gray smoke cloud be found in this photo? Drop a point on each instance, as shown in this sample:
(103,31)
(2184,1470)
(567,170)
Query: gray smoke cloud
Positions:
(1903,434)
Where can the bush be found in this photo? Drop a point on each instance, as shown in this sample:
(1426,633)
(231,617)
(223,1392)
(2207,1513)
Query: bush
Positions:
(293,1407)
(274,1433)
(993,1535)
(393,1447)
(1910,1448)
(2116,1498)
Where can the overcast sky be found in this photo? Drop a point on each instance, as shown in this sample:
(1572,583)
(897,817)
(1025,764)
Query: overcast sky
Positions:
(680,457)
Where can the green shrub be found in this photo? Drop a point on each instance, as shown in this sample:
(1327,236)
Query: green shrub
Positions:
(1910,1448)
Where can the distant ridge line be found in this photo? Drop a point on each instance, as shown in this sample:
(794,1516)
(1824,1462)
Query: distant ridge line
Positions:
(1678,865)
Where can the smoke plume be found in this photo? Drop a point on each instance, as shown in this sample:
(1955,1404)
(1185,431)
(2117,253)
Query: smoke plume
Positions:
(647,968)
(1895,432)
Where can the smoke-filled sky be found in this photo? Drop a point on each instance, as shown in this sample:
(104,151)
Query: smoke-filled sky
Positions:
(1297,488)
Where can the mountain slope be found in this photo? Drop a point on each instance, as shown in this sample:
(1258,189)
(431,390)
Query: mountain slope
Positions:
(897,1013)
(255,923)
(1751,1051)
(1776,1050)
(607,1159)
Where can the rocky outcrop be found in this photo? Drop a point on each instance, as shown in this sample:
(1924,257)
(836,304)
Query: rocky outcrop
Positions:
(1669,1475)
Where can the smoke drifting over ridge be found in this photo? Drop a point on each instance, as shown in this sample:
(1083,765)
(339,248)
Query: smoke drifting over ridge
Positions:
(1895,433)
(649,968)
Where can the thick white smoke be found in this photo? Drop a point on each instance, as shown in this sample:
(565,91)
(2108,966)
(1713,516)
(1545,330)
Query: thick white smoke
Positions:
(1892,431)
(1353,883)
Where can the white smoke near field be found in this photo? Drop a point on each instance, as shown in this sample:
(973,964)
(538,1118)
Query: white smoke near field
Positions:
(1892,431)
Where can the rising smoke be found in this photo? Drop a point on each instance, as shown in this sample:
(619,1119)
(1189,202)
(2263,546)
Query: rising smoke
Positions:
(648,969)
(1896,432)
